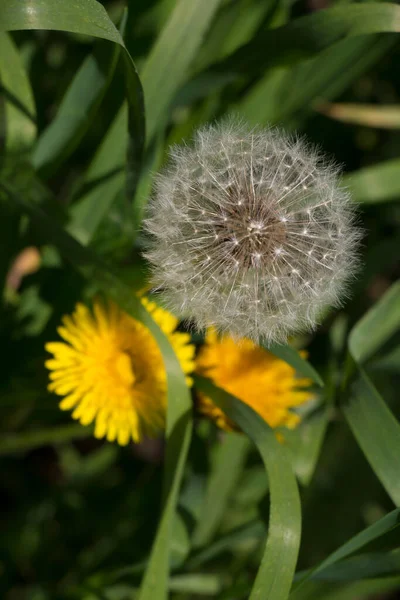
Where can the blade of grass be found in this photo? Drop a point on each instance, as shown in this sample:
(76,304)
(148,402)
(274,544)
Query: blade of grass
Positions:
(227,467)
(77,110)
(88,18)
(295,360)
(275,574)
(376,326)
(19,106)
(25,441)
(368,115)
(377,433)
(378,183)
(164,70)
(306,36)
(386,526)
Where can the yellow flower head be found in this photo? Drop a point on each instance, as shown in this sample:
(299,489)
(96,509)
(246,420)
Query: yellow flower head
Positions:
(110,370)
(266,383)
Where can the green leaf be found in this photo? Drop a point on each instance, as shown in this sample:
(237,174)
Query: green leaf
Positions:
(376,327)
(377,532)
(306,36)
(228,464)
(276,571)
(168,63)
(162,74)
(378,183)
(179,422)
(295,360)
(89,18)
(78,108)
(304,443)
(25,441)
(248,534)
(377,433)
(349,591)
(19,106)
(288,94)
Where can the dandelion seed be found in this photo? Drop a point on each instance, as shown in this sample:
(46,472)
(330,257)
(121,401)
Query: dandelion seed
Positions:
(269,222)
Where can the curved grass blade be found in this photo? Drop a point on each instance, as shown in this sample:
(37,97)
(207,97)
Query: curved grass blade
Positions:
(276,571)
(19,106)
(88,18)
(293,358)
(378,183)
(179,422)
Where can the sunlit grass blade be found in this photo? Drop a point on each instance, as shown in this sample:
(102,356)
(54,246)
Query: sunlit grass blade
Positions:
(374,184)
(179,421)
(377,432)
(228,464)
(295,360)
(276,571)
(19,107)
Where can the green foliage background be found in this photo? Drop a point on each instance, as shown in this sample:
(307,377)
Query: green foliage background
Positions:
(91,97)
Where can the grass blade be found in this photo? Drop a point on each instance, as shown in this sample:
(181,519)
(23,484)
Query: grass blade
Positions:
(375,328)
(276,571)
(293,358)
(377,433)
(378,183)
(77,109)
(19,106)
(229,462)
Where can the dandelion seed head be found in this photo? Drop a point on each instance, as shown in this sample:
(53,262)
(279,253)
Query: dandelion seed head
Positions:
(250,232)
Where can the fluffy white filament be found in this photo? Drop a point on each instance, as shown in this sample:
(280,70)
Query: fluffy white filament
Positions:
(250,232)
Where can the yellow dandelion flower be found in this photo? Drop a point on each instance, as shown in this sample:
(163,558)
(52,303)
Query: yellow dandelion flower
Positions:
(266,383)
(110,370)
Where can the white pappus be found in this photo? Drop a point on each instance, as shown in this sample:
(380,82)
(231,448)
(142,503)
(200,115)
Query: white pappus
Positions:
(250,232)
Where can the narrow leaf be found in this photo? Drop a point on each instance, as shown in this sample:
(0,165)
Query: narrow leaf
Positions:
(19,106)
(367,115)
(375,184)
(293,358)
(275,575)
(377,432)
